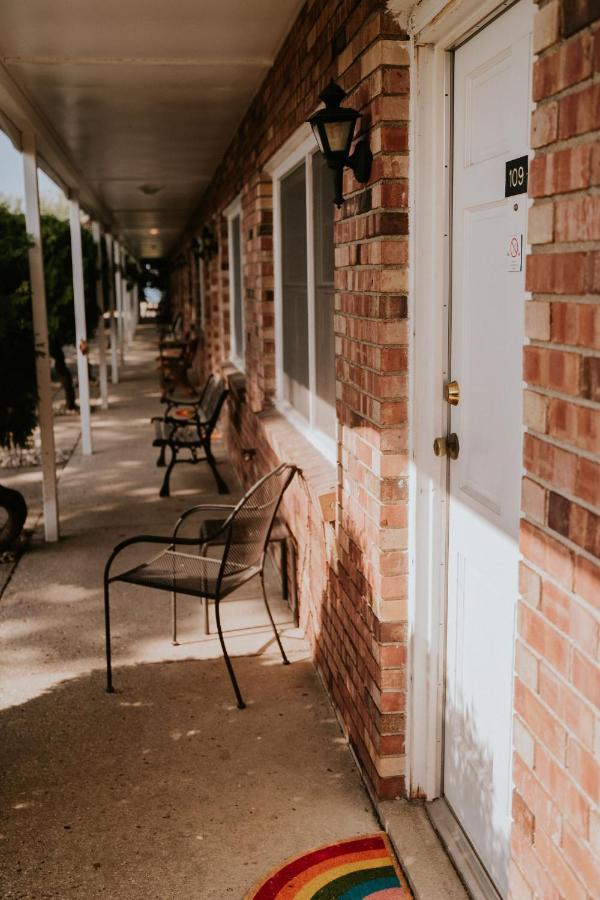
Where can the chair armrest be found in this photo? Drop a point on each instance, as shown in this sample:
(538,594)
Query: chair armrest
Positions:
(146,539)
(222,507)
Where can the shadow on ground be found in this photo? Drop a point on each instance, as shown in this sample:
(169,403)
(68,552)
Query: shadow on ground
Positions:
(165,789)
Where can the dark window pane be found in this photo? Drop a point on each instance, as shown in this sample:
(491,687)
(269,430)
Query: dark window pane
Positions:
(294,290)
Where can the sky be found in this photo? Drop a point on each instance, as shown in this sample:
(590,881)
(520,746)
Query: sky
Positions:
(11,176)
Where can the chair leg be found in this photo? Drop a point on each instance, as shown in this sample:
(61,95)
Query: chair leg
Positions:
(286,661)
(174,640)
(220,482)
(109,685)
(165,489)
(205,616)
(294,582)
(160,462)
(240,702)
(284,569)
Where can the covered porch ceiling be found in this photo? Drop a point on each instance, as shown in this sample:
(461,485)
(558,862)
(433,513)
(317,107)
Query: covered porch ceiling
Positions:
(133,102)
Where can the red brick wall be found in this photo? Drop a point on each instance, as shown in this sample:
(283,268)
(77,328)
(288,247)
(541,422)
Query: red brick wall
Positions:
(556,832)
(353,578)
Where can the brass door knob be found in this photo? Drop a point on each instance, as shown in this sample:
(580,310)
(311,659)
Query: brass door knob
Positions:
(447,446)
(452,393)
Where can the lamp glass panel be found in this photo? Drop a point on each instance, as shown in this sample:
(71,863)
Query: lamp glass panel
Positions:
(338,135)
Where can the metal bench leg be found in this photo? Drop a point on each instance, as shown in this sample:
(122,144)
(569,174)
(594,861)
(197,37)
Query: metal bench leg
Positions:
(284,569)
(174,640)
(221,484)
(109,685)
(240,702)
(160,462)
(286,661)
(165,489)
(294,582)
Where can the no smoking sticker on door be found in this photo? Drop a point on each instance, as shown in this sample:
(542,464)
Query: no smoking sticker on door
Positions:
(514,254)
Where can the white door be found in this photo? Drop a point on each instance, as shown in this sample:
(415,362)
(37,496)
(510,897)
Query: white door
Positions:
(491,128)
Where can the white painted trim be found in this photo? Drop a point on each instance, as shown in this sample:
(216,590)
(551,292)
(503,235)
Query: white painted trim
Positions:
(326,445)
(437,28)
(310,288)
(80,326)
(114,355)
(299,145)
(40,327)
(430,282)
(448,24)
(302,148)
(119,301)
(236,354)
(103,368)
(52,155)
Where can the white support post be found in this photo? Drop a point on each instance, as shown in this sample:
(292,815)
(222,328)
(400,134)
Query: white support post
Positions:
(119,293)
(80,326)
(114,356)
(40,327)
(101,332)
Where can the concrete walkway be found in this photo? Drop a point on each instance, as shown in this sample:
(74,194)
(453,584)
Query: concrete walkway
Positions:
(165,789)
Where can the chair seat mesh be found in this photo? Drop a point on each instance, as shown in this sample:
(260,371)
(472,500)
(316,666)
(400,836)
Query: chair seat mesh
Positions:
(186,573)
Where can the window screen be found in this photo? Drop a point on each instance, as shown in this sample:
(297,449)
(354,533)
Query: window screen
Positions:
(294,290)
(323,192)
(236,276)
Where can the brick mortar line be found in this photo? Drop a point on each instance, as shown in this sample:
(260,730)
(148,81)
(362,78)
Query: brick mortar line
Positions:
(562,492)
(549,709)
(576,349)
(565,542)
(555,716)
(561,445)
(591,190)
(587,299)
(571,89)
(545,576)
(570,143)
(555,47)
(552,247)
(562,765)
(572,644)
(554,394)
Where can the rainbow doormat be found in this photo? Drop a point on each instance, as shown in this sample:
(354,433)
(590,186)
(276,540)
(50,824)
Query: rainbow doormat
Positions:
(349,870)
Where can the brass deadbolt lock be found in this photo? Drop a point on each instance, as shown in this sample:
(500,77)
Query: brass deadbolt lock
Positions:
(447,446)
(452,393)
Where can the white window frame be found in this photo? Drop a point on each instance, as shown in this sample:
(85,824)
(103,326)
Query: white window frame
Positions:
(300,148)
(236,354)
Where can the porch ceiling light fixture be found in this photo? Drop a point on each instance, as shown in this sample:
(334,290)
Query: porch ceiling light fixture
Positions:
(333,128)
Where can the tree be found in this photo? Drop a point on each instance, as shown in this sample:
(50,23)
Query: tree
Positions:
(18,389)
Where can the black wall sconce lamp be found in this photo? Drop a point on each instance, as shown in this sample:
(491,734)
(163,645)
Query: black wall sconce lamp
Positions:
(207,244)
(333,128)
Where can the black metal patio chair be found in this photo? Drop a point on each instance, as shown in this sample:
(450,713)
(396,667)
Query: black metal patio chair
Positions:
(246,531)
(189,427)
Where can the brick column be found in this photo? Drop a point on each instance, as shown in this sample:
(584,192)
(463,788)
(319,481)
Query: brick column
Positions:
(257,261)
(556,831)
(365,662)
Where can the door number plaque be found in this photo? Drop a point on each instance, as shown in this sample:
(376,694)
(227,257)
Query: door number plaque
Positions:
(516,176)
